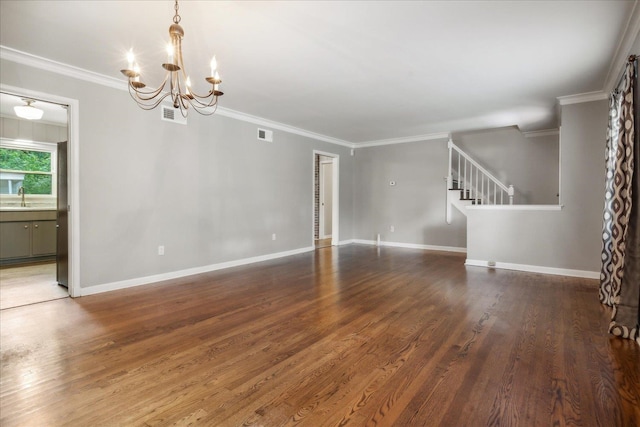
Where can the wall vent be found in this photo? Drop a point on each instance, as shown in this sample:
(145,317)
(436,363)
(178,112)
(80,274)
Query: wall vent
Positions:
(265,135)
(170,114)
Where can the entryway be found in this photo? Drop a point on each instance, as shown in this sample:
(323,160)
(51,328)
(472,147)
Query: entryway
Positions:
(34,260)
(325,200)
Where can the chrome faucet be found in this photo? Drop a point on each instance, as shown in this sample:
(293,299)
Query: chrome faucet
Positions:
(21,193)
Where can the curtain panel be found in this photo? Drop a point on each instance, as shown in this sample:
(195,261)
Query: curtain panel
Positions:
(620,273)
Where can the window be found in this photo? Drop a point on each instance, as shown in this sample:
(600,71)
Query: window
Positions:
(28,165)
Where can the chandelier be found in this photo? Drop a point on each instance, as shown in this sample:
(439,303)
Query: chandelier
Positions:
(180,91)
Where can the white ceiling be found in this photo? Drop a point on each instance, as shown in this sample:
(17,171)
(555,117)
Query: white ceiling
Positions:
(352,70)
(52,113)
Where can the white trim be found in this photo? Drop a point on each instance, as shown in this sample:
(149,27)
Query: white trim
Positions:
(46,64)
(73,174)
(514,207)
(14,55)
(321,189)
(335,213)
(124,284)
(416,138)
(346,242)
(540,133)
(582,97)
(281,126)
(30,60)
(533,269)
(560,167)
(46,147)
(623,50)
(411,246)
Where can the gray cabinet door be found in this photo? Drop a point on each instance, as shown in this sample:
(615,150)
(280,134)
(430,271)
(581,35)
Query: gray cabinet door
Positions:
(15,239)
(44,238)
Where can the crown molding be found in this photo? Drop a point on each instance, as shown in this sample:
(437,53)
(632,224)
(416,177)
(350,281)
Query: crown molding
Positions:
(13,55)
(582,97)
(540,133)
(623,50)
(46,64)
(392,141)
(281,126)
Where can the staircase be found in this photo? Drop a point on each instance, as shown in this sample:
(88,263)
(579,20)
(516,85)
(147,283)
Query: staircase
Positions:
(468,183)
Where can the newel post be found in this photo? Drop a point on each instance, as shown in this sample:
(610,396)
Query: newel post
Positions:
(511,191)
(450,172)
(449,185)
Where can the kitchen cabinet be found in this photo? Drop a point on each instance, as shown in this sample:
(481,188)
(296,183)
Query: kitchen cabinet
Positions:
(16,239)
(26,240)
(43,238)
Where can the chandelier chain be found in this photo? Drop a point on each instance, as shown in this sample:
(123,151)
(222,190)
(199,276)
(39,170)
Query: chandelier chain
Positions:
(176,17)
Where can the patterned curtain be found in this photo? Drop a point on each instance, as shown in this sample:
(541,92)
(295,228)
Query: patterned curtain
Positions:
(620,274)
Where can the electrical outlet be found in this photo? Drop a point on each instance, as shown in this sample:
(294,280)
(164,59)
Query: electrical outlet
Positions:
(273,236)
(392,229)
(160,250)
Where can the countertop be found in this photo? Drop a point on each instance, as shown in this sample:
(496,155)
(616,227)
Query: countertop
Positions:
(26,214)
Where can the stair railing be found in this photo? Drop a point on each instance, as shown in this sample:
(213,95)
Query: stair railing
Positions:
(474,182)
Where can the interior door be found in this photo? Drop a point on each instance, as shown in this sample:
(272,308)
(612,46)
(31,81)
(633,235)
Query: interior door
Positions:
(62,226)
(326,199)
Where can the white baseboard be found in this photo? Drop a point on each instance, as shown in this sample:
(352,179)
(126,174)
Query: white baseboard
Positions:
(113,286)
(534,269)
(412,246)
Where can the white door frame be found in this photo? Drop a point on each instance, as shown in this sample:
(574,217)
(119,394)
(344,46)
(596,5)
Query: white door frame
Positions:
(73,172)
(322,233)
(335,212)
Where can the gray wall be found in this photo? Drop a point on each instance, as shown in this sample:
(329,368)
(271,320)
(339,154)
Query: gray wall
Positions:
(415,206)
(29,130)
(209,192)
(531,165)
(566,239)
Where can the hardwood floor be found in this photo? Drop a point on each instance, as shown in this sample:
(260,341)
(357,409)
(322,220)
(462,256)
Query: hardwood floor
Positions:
(322,243)
(352,335)
(29,284)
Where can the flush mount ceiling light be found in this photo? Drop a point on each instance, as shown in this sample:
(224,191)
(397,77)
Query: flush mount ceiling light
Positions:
(28,111)
(180,91)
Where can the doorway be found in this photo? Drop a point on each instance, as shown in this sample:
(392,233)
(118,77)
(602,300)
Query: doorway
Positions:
(41,272)
(325,199)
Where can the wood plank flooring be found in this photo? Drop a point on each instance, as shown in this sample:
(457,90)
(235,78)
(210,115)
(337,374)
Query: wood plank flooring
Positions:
(322,243)
(352,335)
(29,284)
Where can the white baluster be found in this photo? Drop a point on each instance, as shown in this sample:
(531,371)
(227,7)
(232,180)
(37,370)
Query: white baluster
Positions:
(464,180)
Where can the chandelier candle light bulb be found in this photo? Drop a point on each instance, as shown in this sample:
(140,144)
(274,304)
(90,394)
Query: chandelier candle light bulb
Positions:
(170,53)
(176,78)
(130,59)
(214,65)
